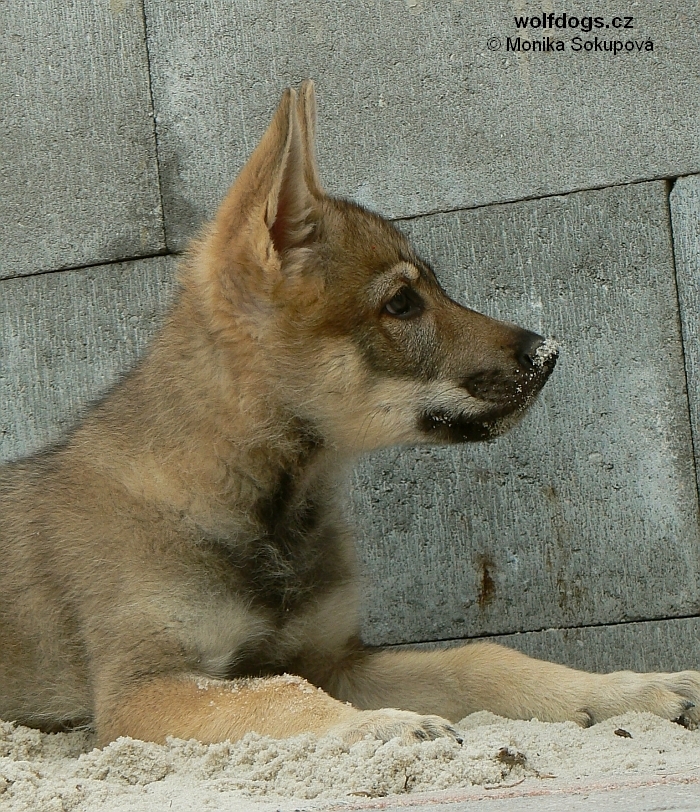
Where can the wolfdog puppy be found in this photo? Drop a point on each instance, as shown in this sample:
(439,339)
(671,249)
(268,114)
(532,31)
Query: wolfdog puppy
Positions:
(179,565)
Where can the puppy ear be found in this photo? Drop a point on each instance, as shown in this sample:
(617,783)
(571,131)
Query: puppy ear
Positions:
(306,112)
(271,200)
(291,199)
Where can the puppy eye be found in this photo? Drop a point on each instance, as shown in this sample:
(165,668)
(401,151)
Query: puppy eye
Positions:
(404,305)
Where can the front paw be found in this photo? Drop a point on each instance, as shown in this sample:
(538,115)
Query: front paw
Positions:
(673,696)
(389,723)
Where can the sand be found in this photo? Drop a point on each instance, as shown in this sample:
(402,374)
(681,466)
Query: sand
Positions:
(65,772)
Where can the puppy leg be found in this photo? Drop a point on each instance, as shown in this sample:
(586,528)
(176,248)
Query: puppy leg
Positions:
(216,710)
(484,676)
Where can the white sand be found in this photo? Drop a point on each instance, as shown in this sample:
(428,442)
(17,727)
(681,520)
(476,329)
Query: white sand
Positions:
(63,771)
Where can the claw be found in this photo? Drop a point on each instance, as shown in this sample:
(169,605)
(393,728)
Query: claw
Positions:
(451,731)
(683,719)
(421,735)
(587,720)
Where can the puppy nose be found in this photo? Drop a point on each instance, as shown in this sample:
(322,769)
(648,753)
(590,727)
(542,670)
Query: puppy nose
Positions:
(536,351)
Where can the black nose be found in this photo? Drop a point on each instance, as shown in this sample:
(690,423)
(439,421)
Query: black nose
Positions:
(535,351)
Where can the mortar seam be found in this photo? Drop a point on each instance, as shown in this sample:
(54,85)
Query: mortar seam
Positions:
(493,635)
(155,125)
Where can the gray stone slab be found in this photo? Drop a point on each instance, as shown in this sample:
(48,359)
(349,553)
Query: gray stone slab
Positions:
(651,645)
(64,340)
(416,113)
(655,645)
(78,172)
(685,215)
(587,512)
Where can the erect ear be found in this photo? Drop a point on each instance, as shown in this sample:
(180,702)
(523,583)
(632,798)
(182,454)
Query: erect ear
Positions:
(306,112)
(291,201)
(271,201)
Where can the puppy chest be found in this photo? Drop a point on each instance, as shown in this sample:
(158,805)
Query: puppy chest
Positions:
(295,554)
(230,640)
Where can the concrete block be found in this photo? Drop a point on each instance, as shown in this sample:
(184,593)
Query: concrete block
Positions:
(654,645)
(586,513)
(416,113)
(685,215)
(64,340)
(78,173)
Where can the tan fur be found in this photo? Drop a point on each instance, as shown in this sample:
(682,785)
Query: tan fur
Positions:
(186,544)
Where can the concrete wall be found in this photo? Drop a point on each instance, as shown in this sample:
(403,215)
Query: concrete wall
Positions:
(559,190)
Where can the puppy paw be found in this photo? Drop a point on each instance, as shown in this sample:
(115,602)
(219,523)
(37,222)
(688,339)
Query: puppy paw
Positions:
(672,696)
(389,723)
